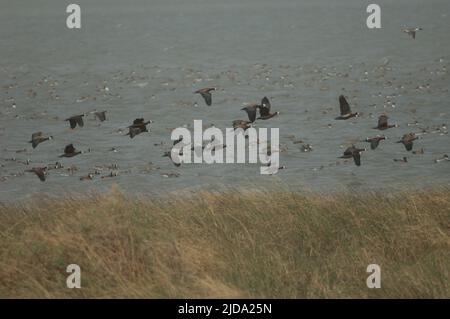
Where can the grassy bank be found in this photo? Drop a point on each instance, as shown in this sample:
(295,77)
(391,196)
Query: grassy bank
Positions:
(258,244)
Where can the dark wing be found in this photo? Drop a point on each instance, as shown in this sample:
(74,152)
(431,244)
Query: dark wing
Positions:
(73,123)
(36,135)
(138,121)
(383,121)
(264,109)
(101,115)
(345,108)
(79,120)
(41,174)
(374,143)
(357,158)
(208,97)
(408,145)
(134,131)
(69,149)
(251,112)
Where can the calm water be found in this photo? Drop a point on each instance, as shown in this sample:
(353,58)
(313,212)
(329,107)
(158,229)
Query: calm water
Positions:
(145,58)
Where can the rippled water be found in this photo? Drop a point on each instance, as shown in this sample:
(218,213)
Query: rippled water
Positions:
(145,58)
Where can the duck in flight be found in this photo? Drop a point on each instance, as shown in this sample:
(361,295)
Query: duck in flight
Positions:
(412,31)
(138,127)
(100,115)
(41,172)
(383,123)
(407,140)
(264,110)
(37,138)
(206,94)
(70,151)
(346,112)
(74,120)
(355,153)
(375,141)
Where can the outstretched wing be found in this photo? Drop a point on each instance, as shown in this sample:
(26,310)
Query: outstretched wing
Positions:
(73,123)
(251,112)
(357,158)
(101,116)
(35,135)
(374,143)
(343,104)
(134,131)
(41,174)
(79,120)
(138,121)
(383,121)
(264,109)
(69,149)
(207,96)
(408,145)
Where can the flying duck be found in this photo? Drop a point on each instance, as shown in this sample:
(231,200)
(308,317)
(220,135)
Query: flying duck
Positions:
(70,151)
(74,120)
(37,138)
(100,115)
(346,112)
(206,94)
(407,140)
(383,123)
(374,141)
(355,153)
(264,110)
(412,31)
(39,171)
(138,127)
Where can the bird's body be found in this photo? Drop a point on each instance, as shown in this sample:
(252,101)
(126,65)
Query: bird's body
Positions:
(138,127)
(355,153)
(75,120)
(206,94)
(346,112)
(402,160)
(407,140)
(375,141)
(37,138)
(70,151)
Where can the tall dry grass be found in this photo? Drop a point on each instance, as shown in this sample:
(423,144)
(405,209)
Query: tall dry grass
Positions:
(260,244)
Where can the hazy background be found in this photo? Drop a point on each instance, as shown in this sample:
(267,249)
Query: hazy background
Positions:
(145,58)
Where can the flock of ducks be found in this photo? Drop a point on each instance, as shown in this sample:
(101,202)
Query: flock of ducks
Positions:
(139,126)
(254,112)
